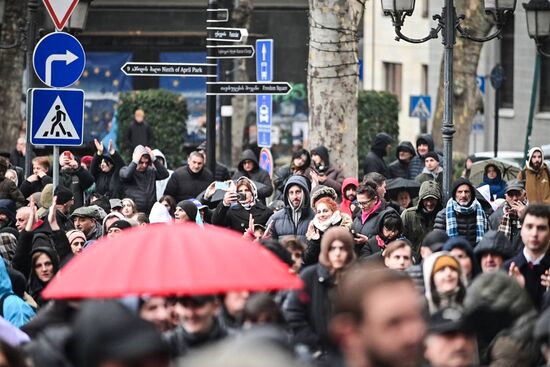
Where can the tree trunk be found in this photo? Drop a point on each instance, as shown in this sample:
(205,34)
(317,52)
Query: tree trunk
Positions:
(241,104)
(333,75)
(466,95)
(11,74)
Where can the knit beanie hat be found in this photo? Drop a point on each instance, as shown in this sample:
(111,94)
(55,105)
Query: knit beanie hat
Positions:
(87,160)
(73,234)
(189,208)
(64,195)
(444,261)
(433,155)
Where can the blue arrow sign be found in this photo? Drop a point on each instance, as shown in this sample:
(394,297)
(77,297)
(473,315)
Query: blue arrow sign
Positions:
(420,106)
(59,60)
(264,60)
(57,116)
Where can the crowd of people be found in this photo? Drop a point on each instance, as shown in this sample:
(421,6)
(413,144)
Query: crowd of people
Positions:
(411,279)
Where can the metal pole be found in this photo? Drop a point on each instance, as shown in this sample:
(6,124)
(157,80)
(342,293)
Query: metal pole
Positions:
(534,91)
(211,100)
(497,78)
(497,104)
(32,7)
(55,166)
(447,128)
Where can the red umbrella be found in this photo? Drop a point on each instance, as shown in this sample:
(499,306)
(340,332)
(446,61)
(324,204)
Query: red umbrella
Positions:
(180,259)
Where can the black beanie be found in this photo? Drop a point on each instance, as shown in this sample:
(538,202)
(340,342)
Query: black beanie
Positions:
(121,224)
(189,208)
(64,195)
(433,155)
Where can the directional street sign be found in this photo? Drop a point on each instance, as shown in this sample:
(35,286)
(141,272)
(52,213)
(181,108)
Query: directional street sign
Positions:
(60,11)
(231,52)
(226,34)
(59,60)
(264,137)
(264,60)
(57,116)
(420,106)
(166,69)
(248,88)
(222,15)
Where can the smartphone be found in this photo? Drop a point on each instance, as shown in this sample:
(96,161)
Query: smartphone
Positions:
(241,196)
(222,185)
(354,234)
(67,154)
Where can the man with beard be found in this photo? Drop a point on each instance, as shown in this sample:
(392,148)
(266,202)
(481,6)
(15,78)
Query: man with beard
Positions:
(506,218)
(349,196)
(537,177)
(294,219)
(378,320)
(419,220)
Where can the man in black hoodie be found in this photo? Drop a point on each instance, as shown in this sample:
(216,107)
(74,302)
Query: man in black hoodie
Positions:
(400,167)
(375,159)
(190,180)
(250,168)
(324,172)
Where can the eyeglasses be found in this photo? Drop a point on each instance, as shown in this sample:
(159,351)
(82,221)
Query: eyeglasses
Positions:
(365,203)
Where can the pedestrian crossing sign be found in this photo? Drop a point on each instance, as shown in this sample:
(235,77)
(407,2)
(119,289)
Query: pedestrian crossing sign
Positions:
(420,106)
(57,116)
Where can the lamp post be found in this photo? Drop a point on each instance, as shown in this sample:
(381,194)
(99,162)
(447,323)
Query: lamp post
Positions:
(538,28)
(448,22)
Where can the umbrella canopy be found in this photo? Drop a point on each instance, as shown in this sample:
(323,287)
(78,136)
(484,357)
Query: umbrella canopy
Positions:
(163,260)
(395,185)
(509,169)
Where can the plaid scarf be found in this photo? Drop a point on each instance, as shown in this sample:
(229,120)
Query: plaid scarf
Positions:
(509,221)
(452,226)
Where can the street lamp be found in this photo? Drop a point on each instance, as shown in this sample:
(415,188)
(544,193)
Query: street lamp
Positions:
(538,22)
(448,22)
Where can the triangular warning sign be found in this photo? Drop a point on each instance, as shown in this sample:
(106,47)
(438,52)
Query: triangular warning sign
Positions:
(60,11)
(57,124)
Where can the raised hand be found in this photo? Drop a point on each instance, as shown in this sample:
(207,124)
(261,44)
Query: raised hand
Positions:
(32,216)
(52,217)
(111,147)
(98,147)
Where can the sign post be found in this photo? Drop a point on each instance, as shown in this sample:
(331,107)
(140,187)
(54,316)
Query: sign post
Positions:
(264,102)
(421,107)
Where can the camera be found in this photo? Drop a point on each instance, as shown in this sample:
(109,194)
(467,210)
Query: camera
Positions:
(241,196)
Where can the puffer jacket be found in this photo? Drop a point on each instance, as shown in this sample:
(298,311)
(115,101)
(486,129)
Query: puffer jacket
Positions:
(282,224)
(374,162)
(504,318)
(398,168)
(537,183)
(107,184)
(372,247)
(416,222)
(15,310)
(417,162)
(257,174)
(76,180)
(371,226)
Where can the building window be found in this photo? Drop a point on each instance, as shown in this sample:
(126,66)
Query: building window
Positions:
(507,62)
(544,98)
(393,78)
(425,8)
(424,79)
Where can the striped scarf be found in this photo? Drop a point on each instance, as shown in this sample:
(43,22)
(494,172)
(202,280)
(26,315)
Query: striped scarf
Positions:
(509,221)
(452,226)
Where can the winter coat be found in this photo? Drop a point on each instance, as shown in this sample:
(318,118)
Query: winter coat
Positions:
(537,183)
(345,204)
(398,168)
(76,180)
(107,183)
(374,162)
(257,174)
(372,224)
(417,223)
(185,184)
(494,242)
(494,223)
(437,302)
(308,312)
(503,318)
(139,134)
(531,274)
(334,175)
(313,249)
(8,190)
(140,186)
(160,185)
(28,188)
(281,177)
(372,247)
(417,162)
(15,310)
(237,218)
(282,224)
(497,186)
(426,175)
(181,342)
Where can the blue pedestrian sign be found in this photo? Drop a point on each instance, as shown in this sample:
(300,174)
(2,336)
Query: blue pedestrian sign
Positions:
(420,106)
(264,60)
(59,60)
(264,137)
(57,116)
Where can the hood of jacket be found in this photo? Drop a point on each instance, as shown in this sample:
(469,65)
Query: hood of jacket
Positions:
(464,245)
(497,242)
(430,189)
(160,154)
(322,152)
(245,180)
(405,146)
(381,140)
(7,207)
(348,181)
(388,212)
(248,154)
(426,139)
(463,181)
(427,269)
(5,282)
(530,155)
(300,181)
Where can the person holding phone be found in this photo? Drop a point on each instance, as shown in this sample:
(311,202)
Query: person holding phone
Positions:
(239,202)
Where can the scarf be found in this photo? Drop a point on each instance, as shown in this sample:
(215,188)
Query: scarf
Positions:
(365,216)
(475,207)
(333,220)
(247,206)
(509,221)
(380,242)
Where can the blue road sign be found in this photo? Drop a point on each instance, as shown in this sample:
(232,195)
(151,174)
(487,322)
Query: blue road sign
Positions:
(57,116)
(420,106)
(264,60)
(58,60)
(266,161)
(264,137)
(264,108)
(480,79)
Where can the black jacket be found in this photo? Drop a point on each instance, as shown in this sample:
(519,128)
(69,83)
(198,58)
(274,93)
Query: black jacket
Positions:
(185,184)
(141,186)
(181,342)
(8,190)
(308,312)
(398,168)
(371,247)
(467,225)
(76,180)
(532,275)
(237,218)
(139,134)
(28,188)
(374,161)
(257,174)
(107,184)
